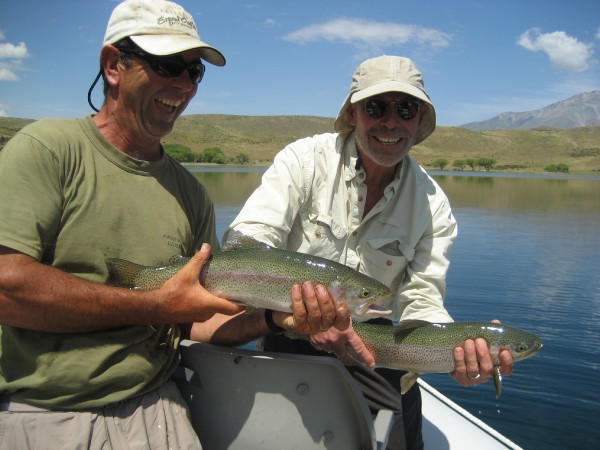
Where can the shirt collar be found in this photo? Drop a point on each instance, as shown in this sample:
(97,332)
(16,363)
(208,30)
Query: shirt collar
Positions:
(350,157)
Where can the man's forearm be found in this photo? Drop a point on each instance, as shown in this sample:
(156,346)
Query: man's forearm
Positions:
(39,297)
(231,330)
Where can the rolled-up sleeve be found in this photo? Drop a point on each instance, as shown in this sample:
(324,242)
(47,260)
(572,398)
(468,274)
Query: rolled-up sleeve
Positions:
(270,211)
(422,293)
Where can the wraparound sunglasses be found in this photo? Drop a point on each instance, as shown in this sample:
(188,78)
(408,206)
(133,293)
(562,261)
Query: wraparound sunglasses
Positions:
(376,108)
(168,66)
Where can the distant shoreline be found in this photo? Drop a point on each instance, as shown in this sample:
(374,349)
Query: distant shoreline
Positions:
(261,137)
(208,167)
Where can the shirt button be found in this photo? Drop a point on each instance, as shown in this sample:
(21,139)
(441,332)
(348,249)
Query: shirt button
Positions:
(354,233)
(360,198)
(388,262)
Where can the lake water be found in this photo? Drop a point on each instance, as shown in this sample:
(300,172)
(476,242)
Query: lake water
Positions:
(528,253)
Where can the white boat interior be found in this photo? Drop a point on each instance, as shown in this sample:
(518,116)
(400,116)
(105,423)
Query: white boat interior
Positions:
(245,399)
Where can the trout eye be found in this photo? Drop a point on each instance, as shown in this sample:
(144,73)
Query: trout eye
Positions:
(365,293)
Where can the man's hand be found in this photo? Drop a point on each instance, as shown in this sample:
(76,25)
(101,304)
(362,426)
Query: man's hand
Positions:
(473,363)
(313,311)
(187,297)
(342,342)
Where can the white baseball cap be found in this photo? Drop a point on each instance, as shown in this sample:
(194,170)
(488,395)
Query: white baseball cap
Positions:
(160,28)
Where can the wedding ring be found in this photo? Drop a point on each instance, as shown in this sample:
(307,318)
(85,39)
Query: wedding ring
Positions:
(474,378)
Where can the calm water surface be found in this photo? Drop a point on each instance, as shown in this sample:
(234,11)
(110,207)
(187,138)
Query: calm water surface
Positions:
(528,253)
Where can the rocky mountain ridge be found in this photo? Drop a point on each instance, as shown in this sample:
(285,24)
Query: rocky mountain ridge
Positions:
(581,110)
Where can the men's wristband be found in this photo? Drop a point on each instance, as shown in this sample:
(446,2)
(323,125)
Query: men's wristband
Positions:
(273,327)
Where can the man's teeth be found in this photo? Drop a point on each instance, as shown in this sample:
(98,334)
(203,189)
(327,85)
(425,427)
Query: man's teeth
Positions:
(388,140)
(171,103)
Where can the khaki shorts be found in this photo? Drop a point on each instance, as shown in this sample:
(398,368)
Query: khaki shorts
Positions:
(157,420)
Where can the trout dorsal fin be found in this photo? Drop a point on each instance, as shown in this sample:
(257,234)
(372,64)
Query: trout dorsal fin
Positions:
(405,327)
(178,259)
(242,241)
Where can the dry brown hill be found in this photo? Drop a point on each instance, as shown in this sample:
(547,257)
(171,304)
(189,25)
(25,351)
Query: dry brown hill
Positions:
(261,137)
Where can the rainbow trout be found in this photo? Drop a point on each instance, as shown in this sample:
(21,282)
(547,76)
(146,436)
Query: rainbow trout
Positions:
(422,347)
(261,276)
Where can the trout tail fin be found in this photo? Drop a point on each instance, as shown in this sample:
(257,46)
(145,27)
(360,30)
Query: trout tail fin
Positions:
(122,272)
(497,381)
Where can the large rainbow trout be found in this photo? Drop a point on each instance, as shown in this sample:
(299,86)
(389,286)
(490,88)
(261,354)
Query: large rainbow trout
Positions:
(422,347)
(261,276)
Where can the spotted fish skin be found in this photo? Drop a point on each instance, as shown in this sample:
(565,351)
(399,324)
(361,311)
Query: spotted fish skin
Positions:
(420,347)
(261,276)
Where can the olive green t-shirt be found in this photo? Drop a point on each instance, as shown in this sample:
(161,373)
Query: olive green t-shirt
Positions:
(70,199)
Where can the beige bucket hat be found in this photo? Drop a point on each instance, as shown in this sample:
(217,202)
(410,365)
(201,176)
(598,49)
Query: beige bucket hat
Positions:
(387,74)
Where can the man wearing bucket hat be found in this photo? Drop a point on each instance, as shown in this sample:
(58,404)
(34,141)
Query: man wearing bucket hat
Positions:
(358,198)
(84,364)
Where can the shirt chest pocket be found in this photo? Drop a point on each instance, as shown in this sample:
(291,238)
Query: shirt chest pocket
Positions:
(337,230)
(318,234)
(386,259)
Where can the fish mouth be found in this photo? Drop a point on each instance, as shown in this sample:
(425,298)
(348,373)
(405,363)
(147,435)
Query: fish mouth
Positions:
(535,347)
(371,310)
(532,349)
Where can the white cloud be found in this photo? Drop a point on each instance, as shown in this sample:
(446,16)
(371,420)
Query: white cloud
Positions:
(362,32)
(7,73)
(8,50)
(13,53)
(565,52)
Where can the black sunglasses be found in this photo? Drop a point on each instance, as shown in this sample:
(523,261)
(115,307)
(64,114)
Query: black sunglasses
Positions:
(376,108)
(168,66)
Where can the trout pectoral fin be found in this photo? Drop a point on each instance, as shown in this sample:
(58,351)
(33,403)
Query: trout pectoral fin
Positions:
(497,381)
(407,381)
(249,308)
(351,358)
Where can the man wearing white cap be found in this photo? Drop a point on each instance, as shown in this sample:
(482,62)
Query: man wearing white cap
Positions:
(358,198)
(84,364)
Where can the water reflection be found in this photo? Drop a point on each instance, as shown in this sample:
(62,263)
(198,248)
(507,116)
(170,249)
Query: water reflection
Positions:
(233,186)
(528,253)
(229,188)
(521,193)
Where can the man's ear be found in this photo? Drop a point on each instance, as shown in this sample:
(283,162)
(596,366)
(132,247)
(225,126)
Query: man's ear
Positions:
(422,111)
(351,111)
(110,59)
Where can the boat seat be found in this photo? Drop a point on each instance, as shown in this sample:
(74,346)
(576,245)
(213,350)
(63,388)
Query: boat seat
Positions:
(246,399)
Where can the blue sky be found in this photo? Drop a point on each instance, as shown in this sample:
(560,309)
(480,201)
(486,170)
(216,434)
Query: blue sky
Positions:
(292,57)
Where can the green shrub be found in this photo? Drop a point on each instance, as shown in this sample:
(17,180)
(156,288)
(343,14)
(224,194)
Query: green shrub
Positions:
(557,168)
(180,152)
